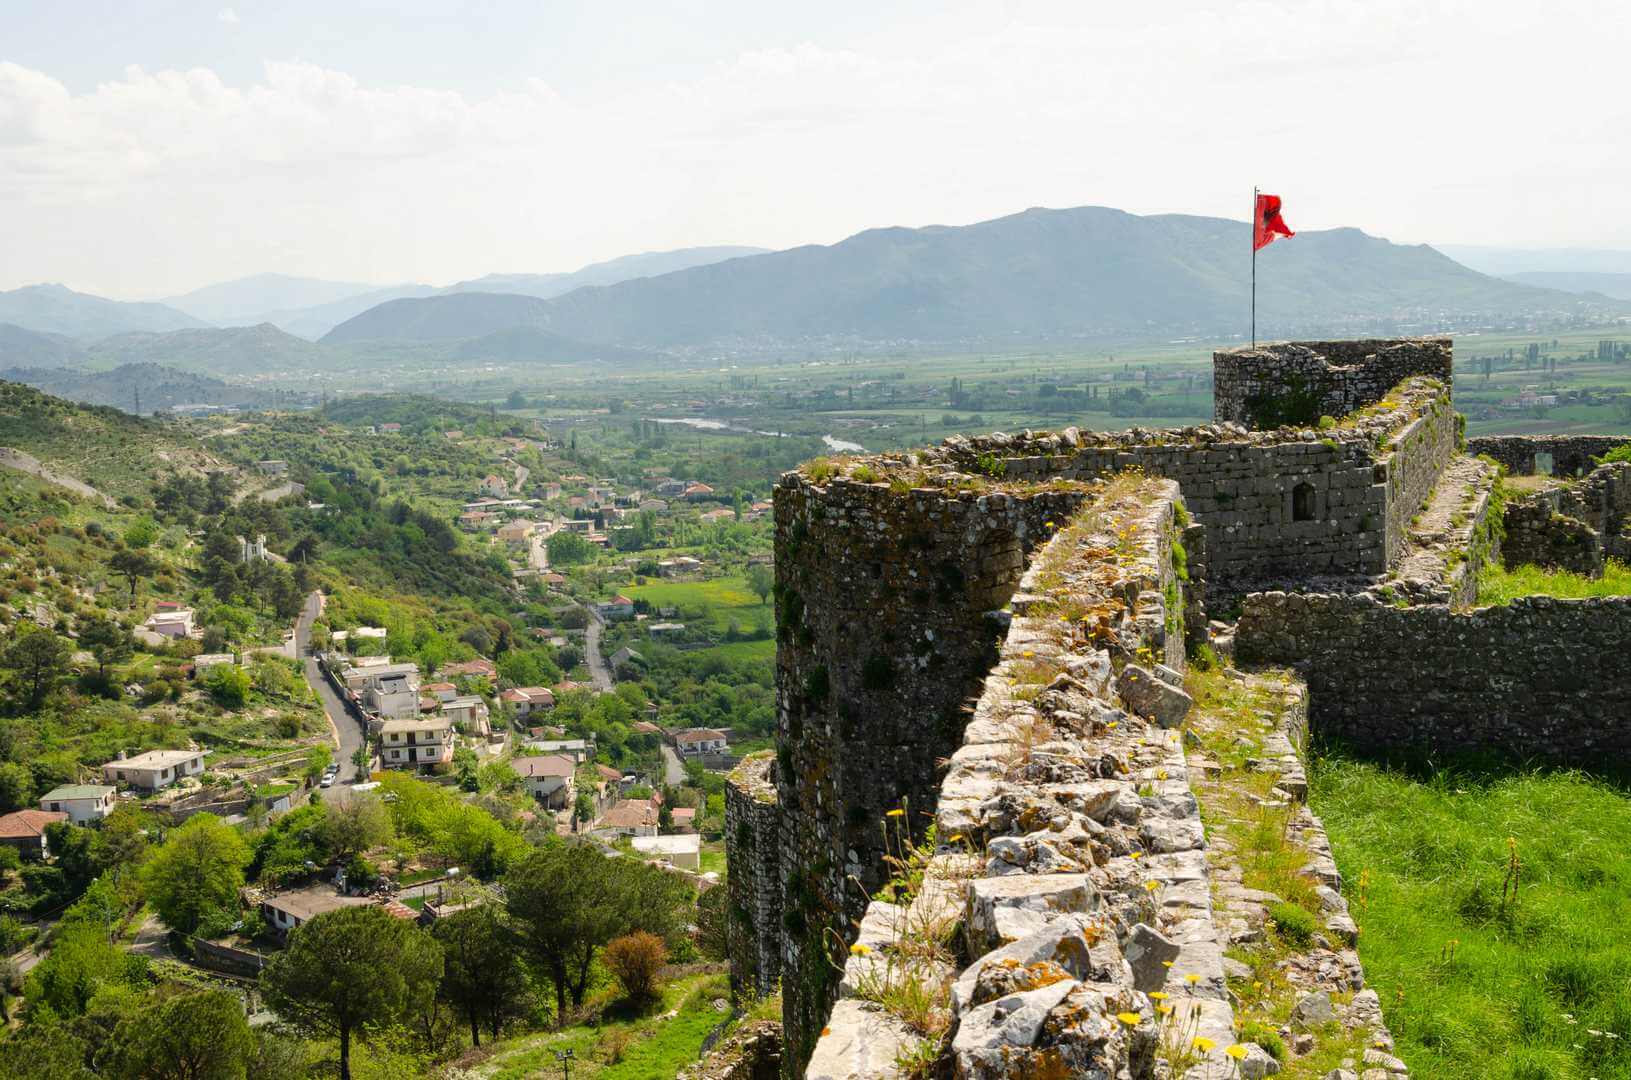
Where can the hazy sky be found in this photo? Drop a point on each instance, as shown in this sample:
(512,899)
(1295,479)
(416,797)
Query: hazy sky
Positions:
(148,148)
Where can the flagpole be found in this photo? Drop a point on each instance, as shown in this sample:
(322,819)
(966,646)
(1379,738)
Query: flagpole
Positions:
(1254,266)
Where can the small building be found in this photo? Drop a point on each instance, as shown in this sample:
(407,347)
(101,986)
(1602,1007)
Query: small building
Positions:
(394,696)
(630,817)
(286,911)
(81,802)
(579,750)
(678,566)
(252,550)
(684,818)
(479,666)
(626,657)
(517,532)
(417,744)
(645,727)
(390,429)
(683,851)
(155,769)
(495,486)
(273,467)
(665,629)
(204,661)
(441,691)
(716,517)
(617,608)
(526,700)
(694,741)
(469,711)
(25,831)
(475,519)
(550,778)
(697,492)
(177,623)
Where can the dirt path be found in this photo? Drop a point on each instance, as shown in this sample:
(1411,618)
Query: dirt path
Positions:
(13,458)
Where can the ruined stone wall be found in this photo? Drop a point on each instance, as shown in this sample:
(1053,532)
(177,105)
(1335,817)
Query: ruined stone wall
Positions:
(753,887)
(1536,534)
(1414,459)
(1297,382)
(1361,482)
(1070,851)
(1539,677)
(887,603)
(1571,454)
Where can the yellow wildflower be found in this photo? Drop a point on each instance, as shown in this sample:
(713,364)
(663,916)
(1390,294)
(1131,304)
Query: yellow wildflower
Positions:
(1203,1044)
(897,812)
(1236,1051)
(1159,995)
(1192,979)
(1131,1019)
(859,950)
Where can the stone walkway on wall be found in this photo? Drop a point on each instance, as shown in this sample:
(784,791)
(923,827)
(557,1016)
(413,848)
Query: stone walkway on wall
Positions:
(1291,961)
(1071,865)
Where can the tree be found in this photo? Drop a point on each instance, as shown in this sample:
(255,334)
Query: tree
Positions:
(636,959)
(361,758)
(761,580)
(355,825)
(37,660)
(196,873)
(141,534)
(195,1036)
(567,548)
(11,983)
(132,566)
(569,900)
(713,913)
(483,976)
(228,684)
(16,787)
(355,971)
(106,640)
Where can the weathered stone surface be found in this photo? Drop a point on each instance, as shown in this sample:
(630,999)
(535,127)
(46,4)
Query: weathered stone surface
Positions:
(860,1040)
(1312,1010)
(1066,1029)
(1149,952)
(1072,947)
(1005,909)
(1257,1063)
(1150,696)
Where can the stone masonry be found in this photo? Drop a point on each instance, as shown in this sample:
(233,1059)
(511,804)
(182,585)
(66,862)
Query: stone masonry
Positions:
(753,887)
(1296,382)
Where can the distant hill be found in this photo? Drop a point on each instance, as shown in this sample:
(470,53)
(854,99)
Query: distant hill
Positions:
(55,309)
(1038,277)
(239,350)
(626,268)
(520,344)
(248,300)
(1615,285)
(114,452)
(439,318)
(1047,276)
(159,387)
(312,323)
(29,348)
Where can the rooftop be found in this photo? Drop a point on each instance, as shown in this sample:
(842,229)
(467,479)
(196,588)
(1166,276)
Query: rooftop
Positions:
(306,903)
(544,765)
(76,791)
(157,759)
(26,823)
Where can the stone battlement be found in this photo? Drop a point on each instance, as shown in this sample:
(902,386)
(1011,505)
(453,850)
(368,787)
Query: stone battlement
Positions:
(1297,382)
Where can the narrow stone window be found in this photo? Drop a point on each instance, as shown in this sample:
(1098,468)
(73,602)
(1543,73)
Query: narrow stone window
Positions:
(1543,464)
(1302,502)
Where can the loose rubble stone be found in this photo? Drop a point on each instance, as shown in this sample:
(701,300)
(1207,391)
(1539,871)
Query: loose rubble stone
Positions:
(1151,696)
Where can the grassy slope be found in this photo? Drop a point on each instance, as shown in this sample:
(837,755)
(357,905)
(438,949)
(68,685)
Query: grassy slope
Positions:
(1528,982)
(725,598)
(1498,585)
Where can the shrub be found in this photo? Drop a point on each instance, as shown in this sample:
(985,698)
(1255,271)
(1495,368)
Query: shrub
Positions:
(635,959)
(1256,1031)
(1295,924)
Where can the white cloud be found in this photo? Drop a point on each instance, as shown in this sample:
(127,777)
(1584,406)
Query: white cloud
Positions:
(227,15)
(1400,117)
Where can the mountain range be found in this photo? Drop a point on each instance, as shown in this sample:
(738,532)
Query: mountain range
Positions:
(1617,286)
(1040,277)
(1037,277)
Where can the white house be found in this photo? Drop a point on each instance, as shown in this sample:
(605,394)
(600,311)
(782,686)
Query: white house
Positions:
(494,485)
(630,817)
(288,910)
(683,851)
(173,624)
(394,696)
(700,741)
(155,769)
(526,700)
(579,750)
(412,744)
(81,802)
(619,607)
(550,778)
(469,711)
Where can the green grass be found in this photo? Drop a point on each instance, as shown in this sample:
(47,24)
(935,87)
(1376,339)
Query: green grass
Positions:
(1474,987)
(1498,585)
(742,650)
(656,1047)
(712,861)
(722,599)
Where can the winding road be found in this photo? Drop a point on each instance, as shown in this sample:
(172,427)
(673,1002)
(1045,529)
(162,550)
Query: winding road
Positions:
(599,673)
(348,733)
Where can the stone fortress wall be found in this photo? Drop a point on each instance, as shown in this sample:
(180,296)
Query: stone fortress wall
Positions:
(1297,382)
(896,592)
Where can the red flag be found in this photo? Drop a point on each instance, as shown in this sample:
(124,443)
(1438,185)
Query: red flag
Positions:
(1269,223)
